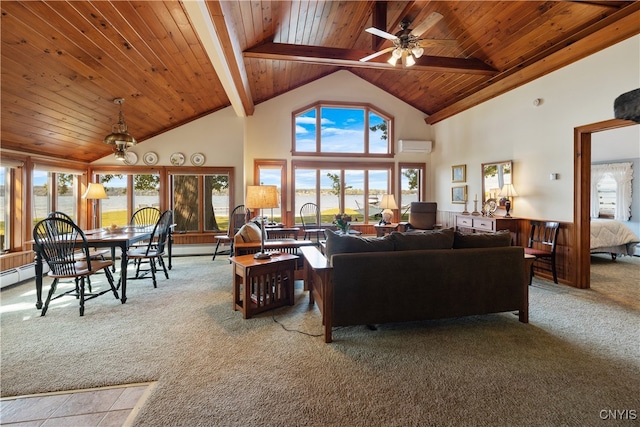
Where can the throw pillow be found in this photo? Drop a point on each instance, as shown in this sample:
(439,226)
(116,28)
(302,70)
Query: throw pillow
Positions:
(482,240)
(346,243)
(429,239)
(250,232)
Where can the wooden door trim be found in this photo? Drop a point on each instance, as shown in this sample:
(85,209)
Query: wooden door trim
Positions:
(582,191)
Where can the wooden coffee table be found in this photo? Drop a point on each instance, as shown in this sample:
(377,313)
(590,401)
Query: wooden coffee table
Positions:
(262,284)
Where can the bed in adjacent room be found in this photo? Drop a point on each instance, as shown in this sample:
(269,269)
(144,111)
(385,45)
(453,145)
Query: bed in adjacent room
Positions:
(612,237)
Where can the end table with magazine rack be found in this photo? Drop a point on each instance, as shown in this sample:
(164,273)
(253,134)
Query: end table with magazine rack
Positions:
(262,284)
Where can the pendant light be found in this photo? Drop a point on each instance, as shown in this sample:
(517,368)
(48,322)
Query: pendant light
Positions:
(120,138)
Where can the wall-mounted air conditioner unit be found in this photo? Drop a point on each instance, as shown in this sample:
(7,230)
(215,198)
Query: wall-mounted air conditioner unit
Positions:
(415,146)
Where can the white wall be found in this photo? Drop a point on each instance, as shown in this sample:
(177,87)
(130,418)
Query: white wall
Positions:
(219,136)
(539,139)
(269,130)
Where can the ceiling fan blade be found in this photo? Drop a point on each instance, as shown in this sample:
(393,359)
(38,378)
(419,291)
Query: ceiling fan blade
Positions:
(378,53)
(427,23)
(437,43)
(380,33)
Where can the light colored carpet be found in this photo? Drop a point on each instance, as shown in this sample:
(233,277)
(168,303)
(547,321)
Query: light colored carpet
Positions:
(578,356)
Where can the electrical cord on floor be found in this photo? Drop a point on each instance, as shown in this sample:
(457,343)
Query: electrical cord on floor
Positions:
(273,316)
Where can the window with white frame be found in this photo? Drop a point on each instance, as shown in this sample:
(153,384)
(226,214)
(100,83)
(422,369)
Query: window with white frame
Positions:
(611,190)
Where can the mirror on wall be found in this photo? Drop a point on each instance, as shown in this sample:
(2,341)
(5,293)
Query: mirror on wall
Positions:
(494,176)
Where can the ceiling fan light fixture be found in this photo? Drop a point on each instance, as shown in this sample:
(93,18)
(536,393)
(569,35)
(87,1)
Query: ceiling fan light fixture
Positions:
(120,136)
(417,51)
(408,60)
(397,53)
(392,60)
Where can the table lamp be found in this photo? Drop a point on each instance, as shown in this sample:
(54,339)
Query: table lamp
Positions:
(388,203)
(95,191)
(261,197)
(508,191)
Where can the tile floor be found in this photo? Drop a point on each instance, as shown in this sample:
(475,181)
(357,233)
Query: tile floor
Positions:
(103,407)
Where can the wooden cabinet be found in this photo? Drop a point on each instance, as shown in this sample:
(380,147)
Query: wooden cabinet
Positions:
(488,224)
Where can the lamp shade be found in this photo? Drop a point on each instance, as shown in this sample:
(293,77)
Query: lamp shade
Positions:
(508,191)
(261,197)
(388,202)
(95,191)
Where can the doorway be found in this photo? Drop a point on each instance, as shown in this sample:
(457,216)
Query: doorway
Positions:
(582,199)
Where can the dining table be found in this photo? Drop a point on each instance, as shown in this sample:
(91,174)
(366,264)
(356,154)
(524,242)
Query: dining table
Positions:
(122,237)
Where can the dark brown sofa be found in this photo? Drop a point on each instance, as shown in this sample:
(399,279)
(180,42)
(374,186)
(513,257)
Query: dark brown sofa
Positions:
(409,277)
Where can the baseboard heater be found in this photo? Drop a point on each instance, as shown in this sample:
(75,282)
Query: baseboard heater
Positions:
(17,275)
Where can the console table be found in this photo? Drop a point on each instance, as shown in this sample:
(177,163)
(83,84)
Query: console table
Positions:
(488,224)
(262,284)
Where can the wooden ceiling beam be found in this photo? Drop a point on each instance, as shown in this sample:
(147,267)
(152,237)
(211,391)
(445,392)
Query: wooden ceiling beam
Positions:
(208,20)
(379,21)
(351,58)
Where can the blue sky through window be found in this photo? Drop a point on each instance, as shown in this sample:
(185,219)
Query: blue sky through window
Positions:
(342,130)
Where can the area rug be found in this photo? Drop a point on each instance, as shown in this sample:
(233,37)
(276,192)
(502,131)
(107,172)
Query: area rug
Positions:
(575,361)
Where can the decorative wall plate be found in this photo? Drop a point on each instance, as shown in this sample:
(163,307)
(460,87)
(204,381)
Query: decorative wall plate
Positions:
(130,158)
(197,159)
(177,159)
(150,158)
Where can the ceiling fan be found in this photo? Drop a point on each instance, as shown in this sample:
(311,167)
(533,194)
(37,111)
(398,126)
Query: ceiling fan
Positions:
(407,44)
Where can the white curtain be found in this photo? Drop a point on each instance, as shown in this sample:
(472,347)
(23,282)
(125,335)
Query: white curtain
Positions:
(622,173)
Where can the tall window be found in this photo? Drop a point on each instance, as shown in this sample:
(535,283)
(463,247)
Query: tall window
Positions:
(342,130)
(273,172)
(355,189)
(126,194)
(200,202)
(5,208)
(54,191)
(412,184)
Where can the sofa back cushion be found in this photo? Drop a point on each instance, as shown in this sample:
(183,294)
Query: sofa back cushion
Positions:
(346,243)
(431,239)
(482,240)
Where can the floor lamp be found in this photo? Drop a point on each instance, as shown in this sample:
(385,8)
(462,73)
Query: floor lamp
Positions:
(261,197)
(95,191)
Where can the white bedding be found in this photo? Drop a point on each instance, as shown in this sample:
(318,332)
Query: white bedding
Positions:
(612,236)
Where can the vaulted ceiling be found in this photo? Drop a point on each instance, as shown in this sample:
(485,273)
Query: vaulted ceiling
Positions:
(64,62)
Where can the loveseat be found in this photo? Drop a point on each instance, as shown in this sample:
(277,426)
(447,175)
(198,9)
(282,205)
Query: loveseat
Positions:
(415,276)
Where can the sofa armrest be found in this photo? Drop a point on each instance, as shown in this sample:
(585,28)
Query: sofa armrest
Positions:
(318,279)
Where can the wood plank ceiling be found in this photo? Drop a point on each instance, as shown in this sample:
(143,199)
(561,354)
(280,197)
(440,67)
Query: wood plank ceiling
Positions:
(63,62)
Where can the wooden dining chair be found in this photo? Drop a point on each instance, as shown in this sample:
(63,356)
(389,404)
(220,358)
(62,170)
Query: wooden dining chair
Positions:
(145,216)
(310,219)
(237,219)
(154,250)
(65,249)
(543,240)
(94,253)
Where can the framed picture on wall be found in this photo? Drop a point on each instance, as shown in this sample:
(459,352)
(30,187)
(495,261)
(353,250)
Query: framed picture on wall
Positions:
(459,173)
(459,194)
